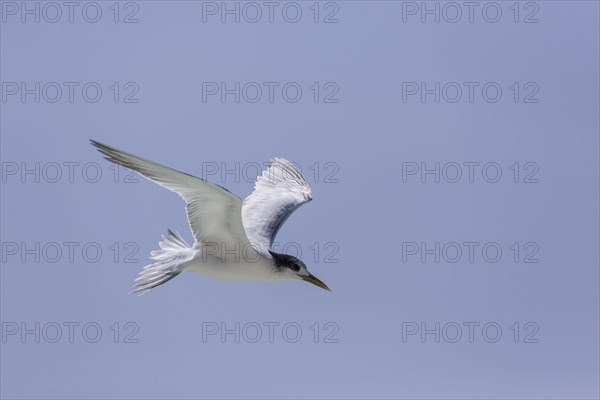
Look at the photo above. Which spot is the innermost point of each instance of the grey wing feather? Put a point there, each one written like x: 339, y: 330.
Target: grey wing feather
x: 214, y: 213
x: 278, y: 192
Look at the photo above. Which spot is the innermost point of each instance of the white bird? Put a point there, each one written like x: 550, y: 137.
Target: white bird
x: 233, y: 239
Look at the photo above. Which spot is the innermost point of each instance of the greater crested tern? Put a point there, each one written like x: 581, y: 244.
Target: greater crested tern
x: 233, y: 238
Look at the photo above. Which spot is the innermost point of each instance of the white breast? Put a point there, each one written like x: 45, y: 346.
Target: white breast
x: 233, y: 269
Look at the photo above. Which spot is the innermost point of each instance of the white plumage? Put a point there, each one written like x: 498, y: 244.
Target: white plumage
x: 278, y: 192
x: 233, y: 239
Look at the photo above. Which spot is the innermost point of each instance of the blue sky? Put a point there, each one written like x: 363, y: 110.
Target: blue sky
x: 454, y: 168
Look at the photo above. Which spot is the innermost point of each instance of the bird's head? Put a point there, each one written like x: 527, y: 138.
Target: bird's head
x: 294, y: 268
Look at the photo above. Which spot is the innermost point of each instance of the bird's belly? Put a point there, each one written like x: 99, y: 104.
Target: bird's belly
x: 232, y: 271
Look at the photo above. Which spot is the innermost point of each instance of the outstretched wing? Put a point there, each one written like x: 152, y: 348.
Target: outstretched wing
x: 279, y: 191
x: 214, y: 213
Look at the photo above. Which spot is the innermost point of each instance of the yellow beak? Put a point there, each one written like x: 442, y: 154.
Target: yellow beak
x: 314, y: 280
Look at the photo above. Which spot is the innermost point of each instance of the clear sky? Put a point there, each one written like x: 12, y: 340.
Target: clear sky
x: 454, y: 167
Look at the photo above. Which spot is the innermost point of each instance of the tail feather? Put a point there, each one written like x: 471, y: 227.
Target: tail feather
x: 168, y: 263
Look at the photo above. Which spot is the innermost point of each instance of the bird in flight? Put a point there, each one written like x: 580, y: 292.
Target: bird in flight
x: 233, y: 238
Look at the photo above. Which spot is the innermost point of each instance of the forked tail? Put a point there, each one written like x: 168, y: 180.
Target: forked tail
x: 168, y: 263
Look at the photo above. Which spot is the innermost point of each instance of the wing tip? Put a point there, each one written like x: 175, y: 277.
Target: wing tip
x: 99, y: 145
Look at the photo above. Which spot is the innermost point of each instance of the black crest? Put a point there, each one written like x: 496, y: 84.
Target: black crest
x: 285, y: 261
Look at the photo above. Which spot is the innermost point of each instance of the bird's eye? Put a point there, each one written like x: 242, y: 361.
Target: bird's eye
x: 295, y: 267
